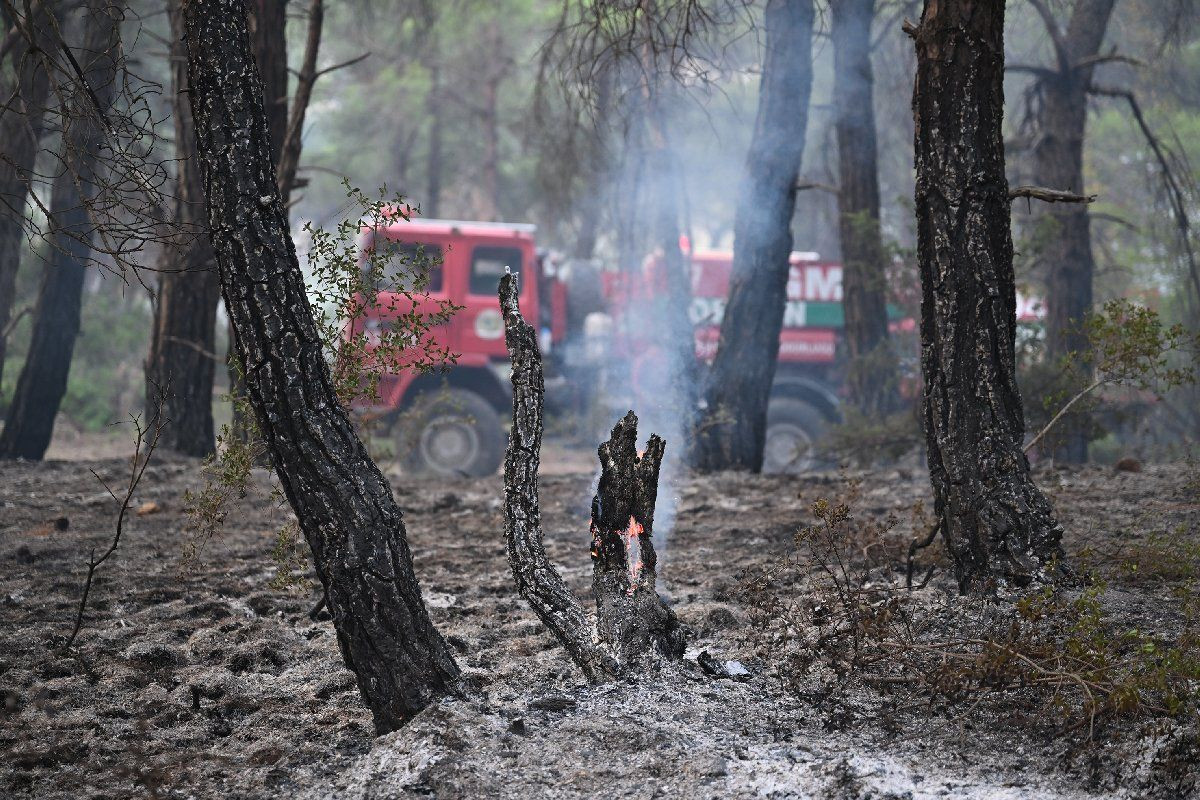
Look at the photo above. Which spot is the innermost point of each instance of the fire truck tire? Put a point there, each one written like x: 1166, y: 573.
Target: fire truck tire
x: 793, y: 430
x: 452, y: 432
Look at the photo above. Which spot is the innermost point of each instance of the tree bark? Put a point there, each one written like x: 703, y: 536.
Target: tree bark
x: 181, y: 362
x: 268, y: 38
x: 267, y: 20
x: 1058, y: 163
x: 733, y: 433
x: 341, y: 500
x: 21, y: 126
x: 29, y: 424
x: 996, y: 523
x: 634, y: 626
x: 871, y: 373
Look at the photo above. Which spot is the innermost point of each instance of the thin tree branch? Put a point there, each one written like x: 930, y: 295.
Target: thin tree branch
x: 1097, y: 383
x: 348, y: 63
x: 1106, y: 58
x: 1174, y: 191
x: 145, y: 443
x: 803, y: 186
x: 289, y: 158
x: 194, y: 346
x: 1056, y: 34
x: 1049, y: 195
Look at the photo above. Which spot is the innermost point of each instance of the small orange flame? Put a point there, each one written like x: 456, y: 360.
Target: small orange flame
x: 633, y: 551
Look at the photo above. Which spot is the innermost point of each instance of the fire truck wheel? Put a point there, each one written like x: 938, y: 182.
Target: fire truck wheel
x: 454, y: 432
x: 793, y: 429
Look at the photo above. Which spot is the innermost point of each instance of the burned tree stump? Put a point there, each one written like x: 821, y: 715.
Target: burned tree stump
x: 633, y: 622
x: 632, y: 619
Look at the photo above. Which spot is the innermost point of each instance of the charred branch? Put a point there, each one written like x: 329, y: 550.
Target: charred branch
x: 1049, y: 195
x: 633, y: 621
x: 536, y: 578
x: 145, y: 442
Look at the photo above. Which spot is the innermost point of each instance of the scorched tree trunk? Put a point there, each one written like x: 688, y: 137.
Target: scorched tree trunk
x: 732, y: 433
x: 29, y: 424
x: 341, y: 500
x: 182, y: 360
x: 1066, y: 255
x: 21, y: 125
x: 871, y: 378
x: 996, y: 523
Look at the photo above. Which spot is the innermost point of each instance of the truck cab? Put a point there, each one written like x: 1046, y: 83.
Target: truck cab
x: 452, y: 421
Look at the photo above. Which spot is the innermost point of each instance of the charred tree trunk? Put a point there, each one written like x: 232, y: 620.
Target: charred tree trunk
x: 268, y: 38
x: 634, y: 625
x: 872, y: 363
x: 632, y: 619
x: 181, y: 362
x: 267, y: 20
x: 289, y: 156
x: 733, y: 432
x: 537, y: 580
x: 341, y: 500
x: 21, y: 124
x: 1058, y: 163
x: 29, y: 424
x: 996, y: 523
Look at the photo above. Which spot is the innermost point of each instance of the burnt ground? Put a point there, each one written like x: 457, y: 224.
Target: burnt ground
x: 198, y: 679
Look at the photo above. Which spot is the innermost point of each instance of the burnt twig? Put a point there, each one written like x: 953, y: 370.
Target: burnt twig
x: 144, y: 444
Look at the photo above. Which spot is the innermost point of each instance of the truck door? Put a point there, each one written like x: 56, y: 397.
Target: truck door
x: 482, y: 328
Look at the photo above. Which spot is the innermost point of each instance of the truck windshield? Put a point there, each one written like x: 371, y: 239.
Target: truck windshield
x: 487, y: 265
x: 402, y: 262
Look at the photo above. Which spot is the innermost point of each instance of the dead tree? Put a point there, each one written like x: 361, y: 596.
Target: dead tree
x: 1059, y: 122
x: 633, y: 625
x: 183, y: 339
x: 872, y: 377
x: 996, y: 523
x: 183, y: 344
x: 29, y: 424
x: 21, y: 125
x: 733, y: 433
x: 342, y: 502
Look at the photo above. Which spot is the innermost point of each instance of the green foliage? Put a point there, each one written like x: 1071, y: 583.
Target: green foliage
x: 1128, y: 345
x: 351, y: 288
x: 1131, y: 345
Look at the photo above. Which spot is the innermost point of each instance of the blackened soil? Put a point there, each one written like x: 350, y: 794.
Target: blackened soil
x: 198, y: 679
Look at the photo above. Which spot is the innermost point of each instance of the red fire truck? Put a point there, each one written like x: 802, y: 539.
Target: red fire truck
x: 454, y: 422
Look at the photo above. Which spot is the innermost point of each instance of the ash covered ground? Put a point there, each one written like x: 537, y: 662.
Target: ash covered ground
x: 200, y: 680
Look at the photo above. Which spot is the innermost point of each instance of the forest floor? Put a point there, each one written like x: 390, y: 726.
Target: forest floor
x: 195, y: 678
